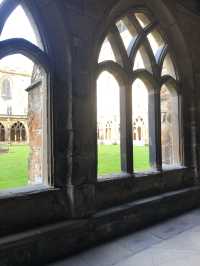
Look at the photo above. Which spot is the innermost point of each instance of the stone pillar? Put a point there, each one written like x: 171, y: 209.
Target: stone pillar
x: 83, y: 173
x: 152, y: 130
x: 35, y: 128
x: 7, y: 134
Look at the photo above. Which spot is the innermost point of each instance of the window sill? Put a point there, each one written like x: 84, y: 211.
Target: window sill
x: 149, y: 173
x: 24, y: 191
x: 113, y: 177
x: 168, y: 168
x: 31, y: 206
x: 117, y: 189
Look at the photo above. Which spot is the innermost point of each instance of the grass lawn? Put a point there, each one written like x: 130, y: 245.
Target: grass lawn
x: 14, y: 167
x: 109, y: 159
x: 14, y: 164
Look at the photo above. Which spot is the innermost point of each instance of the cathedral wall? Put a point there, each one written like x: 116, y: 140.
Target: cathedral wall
x: 78, y: 210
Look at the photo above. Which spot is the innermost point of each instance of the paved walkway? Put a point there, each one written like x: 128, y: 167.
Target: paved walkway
x: 172, y: 243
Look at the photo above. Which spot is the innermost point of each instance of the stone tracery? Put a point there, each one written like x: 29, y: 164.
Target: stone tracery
x: 134, y: 49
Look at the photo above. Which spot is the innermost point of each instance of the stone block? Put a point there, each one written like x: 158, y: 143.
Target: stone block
x: 82, y: 200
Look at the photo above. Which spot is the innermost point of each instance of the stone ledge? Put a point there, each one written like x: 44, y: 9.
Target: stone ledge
x: 52, y: 242
x: 112, y: 192
x: 131, y: 216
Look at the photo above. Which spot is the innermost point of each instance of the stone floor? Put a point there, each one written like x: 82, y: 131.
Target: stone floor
x: 172, y: 243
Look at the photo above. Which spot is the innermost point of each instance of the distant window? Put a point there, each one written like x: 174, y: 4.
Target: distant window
x: 6, y: 89
x: 18, y: 132
x: 9, y: 110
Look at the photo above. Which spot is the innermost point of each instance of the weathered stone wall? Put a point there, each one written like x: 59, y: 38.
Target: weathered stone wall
x: 73, y: 37
x: 35, y: 127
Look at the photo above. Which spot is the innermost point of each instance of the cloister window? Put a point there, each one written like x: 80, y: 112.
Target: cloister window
x: 108, y: 126
x: 141, y: 123
x: 170, y: 126
x: 23, y: 110
x: 137, y: 55
x: 18, y: 133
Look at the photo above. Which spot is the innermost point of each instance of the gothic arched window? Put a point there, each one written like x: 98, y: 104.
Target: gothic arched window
x: 25, y: 62
x: 18, y: 132
x: 109, y: 119
x: 136, y: 53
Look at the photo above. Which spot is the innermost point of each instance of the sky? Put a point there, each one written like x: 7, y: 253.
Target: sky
x: 18, y: 26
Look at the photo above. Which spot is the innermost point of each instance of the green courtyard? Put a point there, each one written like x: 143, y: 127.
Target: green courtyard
x: 14, y: 166
x: 14, y: 163
x: 109, y: 159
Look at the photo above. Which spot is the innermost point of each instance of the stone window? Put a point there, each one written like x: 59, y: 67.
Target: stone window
x: 6, y: 89
x: 108, y: 126
x: 9, y: 110
x: 18, y: 132
x: 23, y: 60
x: 170, y: 125
x: 137, y: 55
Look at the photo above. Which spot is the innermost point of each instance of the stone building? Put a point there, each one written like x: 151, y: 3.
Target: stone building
x: 13, y: 103
x: 73, y: 209
x: 22, y: 110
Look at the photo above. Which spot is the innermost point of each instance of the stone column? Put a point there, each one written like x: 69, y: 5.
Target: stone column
x: 83, y: 173
x: 7, y: 133
x: 35, y: 127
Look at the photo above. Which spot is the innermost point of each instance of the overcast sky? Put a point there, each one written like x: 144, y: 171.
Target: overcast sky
x: 18, y: 26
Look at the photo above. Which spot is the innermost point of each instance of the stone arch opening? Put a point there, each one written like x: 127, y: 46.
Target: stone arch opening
x: 18, y: 132
x: 2, y: 132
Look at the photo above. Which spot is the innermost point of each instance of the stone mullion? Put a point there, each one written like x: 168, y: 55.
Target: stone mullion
x: 149, y: 51
x: 132, y: 19
x: 142, y: 37
x: 126, y: 128
x: 119, y: 49
x: 161, y: 58
x: 142, y: 40
x: 158, y: 129
x: 82, y: 175
x: 24, y: 47
x: 181, y: 132
x: 190, y: 125
x: 136, y: 45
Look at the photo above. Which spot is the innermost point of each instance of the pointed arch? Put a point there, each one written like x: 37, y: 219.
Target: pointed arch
x: 13, y: 26
x: 2, y: 132
x: 142, y: 60
x: 106, y: 52
x: 21, y: 46
x: 168, y: 67
x: 18, y: 132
